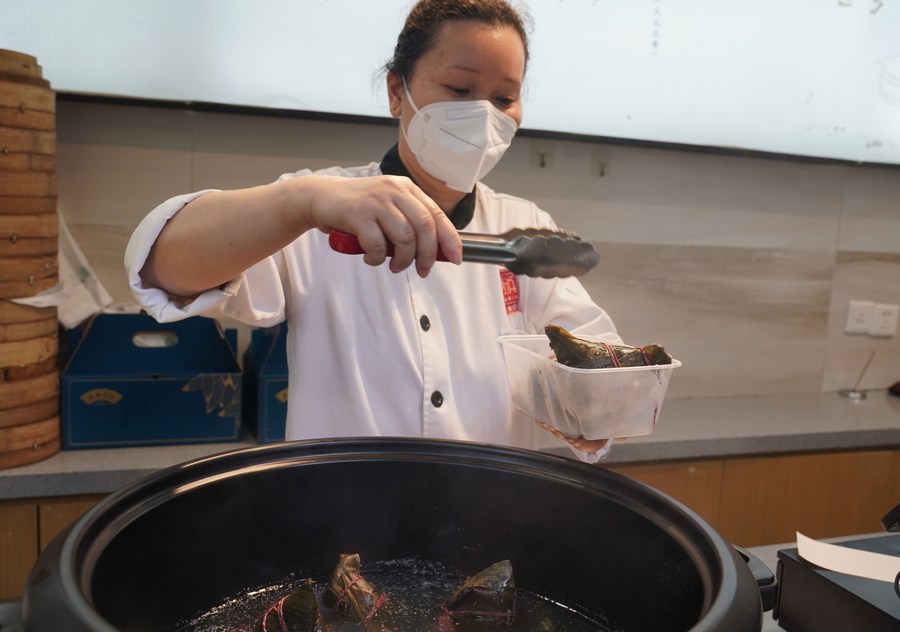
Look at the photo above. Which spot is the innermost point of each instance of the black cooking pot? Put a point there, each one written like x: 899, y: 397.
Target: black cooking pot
x: 179, y: 542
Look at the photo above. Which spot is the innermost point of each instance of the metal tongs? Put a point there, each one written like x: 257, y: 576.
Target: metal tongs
x: 534, y: 252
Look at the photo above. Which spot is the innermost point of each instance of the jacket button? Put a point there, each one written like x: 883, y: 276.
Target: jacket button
x: 426, y: 324
x: 437, y: 399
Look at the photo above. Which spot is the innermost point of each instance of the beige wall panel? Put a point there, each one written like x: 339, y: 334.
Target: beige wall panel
x: 741, y: 321
x: 741, y: 266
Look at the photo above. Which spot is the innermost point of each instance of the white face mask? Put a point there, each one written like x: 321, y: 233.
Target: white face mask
x: 459, y: 142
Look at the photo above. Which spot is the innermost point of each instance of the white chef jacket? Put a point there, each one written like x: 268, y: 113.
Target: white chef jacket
x: 374, y: 353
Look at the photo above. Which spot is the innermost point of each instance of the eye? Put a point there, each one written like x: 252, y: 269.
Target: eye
x: 506, y: 102
x: 457, y: 90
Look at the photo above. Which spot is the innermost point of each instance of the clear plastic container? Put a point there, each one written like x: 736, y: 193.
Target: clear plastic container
x: 588, y: 403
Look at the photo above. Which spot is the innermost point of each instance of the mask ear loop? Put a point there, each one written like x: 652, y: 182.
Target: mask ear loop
x: 409, y: 96
x: 415, y: 109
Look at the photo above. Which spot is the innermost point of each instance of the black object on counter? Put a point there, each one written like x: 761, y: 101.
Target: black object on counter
x: 11, y: 615
x: 812, y: 599
x: 183, y: 540
x: 891, y: 520
x: 894, y: 389
x: 765, y: 579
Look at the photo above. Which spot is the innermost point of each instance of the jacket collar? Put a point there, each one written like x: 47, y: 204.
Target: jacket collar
x: 391, y: 165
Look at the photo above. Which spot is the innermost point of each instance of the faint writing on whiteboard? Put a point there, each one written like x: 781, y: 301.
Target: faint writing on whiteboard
x: 875, y: 4
x: 656, y: 28
x: 889, y: 85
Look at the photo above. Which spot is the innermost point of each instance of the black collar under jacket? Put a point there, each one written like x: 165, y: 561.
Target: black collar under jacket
x: 391, y: 165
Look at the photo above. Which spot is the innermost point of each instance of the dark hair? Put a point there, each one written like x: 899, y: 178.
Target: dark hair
x: 426, y: 18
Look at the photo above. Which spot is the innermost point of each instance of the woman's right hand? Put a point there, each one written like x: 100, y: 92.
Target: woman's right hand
x: 378, y: 210
x: 218, y: 235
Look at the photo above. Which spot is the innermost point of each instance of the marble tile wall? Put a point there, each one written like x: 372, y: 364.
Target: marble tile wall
x: 741, y: 266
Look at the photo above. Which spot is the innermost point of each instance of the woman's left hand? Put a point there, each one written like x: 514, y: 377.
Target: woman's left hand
x: 581, y: 444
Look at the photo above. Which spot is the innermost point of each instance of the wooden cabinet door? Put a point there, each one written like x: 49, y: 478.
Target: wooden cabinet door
x: 696, y: 484
x: 18, y: 545
x: 766, y: 500
x: 26, y: 527
x: 56, y: 514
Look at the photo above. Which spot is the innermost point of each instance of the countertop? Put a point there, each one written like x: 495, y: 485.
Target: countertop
x: 686, y: 429
x: 765, y: 424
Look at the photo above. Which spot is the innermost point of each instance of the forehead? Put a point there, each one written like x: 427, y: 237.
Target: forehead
x: 479, y: 47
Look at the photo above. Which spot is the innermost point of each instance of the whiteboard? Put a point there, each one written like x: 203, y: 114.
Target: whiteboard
x: 811, y: 78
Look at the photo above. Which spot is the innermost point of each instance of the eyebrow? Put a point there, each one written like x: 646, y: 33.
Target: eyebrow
x: 465, y: 68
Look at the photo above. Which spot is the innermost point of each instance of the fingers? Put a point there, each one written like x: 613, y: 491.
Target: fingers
x: 435, y: 234
x: 418, y: 230
x: 579, y: 443
x: 390, y: 213
x: 448, y: 238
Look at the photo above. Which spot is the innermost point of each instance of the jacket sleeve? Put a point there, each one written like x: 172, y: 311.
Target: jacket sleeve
x: 264, y: 306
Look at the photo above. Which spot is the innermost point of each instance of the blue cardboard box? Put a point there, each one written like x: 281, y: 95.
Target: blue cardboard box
x: 132, y: 381
x: 266, y: 383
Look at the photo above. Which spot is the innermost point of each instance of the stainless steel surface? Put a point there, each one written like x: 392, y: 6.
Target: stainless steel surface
x: 535, y: 252
x: 11, y: 615
x: 532, y: 252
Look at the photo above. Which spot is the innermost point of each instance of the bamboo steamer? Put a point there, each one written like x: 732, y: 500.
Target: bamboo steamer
x: 29, y: 119
x: 10, y: 332
x: 17, y: 393
x: 26, y: 267
x: 28, y: 226
x: 19, y: 64
x: 15, y: 313
x: 29, y: 344
x: 15, y: 247
x: 26, y: 371
x: 29, y: 403
x: 30, y: 413
x: 19, y: 161
x: 27, y: 275
x: 18, y: 205
x: 25, y: 437
x: 28, y: 443
x: 16, y: 140
x: 27, y: 352
x: 28, y: 184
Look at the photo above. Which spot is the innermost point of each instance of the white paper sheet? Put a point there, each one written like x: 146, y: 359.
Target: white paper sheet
x: 79, y: 294
x: 850, y: 561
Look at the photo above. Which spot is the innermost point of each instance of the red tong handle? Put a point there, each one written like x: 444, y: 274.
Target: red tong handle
x: 349, y: 245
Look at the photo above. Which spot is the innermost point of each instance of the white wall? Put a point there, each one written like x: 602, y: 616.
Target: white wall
x: 742, y: 267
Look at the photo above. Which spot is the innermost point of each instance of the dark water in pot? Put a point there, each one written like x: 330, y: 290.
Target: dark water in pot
x: 416, y: 589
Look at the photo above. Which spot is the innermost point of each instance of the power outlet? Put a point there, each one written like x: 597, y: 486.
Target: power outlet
x: 884, y: 321
x: 601, y: 161
x: 542, y: 153
x: 859, y: 317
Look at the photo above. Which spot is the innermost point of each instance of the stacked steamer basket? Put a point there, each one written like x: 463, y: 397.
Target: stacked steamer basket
x: 29, y: 371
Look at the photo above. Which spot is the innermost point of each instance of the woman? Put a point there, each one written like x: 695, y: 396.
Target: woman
x: 408, y: 348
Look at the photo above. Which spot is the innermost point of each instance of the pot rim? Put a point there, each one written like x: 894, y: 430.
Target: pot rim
x: 85, y: 539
